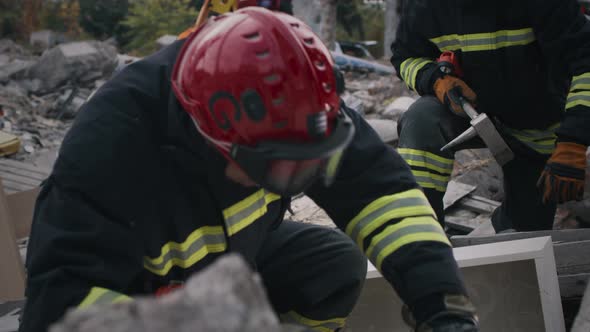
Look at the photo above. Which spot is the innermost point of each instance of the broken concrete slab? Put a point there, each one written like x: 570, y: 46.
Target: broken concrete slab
x: 513, y: 285
x: 14, y: 69
x: 478, y: 167
x: 43, y: 39
x: 386, y: 129
x: 582, y: 322
x: 225, y: 297
x: 71, y: 61
x: 398, y: 107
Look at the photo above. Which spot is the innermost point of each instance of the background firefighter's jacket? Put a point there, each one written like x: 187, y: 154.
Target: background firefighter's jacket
x: 137, y: 200
x: 528, y: 61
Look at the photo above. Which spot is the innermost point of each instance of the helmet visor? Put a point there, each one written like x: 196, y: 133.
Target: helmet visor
x: 287, y: 168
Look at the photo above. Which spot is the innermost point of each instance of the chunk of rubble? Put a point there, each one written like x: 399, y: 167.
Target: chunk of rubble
x: 165, y: 40
x: 44, y: 39
x: 226, y: 297
x: 72, y: 61
x: 386, y: 129
x: 397, y: 107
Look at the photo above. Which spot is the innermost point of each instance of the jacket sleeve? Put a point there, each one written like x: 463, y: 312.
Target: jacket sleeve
x: 413, y: 54
x: 84, y: 246
x: 563, y: 33
x: 376, y: 201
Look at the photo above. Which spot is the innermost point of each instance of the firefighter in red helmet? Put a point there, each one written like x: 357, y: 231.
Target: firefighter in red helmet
x: 196, y: 151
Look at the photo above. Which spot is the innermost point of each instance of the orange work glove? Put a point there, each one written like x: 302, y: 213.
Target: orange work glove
x: 444, y: 85
x: 565, y: 173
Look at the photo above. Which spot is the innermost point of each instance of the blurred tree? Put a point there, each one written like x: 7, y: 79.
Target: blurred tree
x: 328, y: 17
x: 102, y: 18
x: 350, y: 19
x: 61, y: 16
x: 150, y: 19
x: 10, y: 18
x: 31, y: 15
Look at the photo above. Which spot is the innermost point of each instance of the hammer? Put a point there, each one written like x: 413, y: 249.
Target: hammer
x: 480, y: 123
x: 482, y: 126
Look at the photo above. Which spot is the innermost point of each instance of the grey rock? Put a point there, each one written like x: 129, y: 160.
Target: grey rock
x: 396, y: 108
x: 72, y: 61
x: 14, y: 69
x: 226, y: 297
x: 12, y: 49
x: 479, y: 168
x: 386, y: 129
x: 43, y: 39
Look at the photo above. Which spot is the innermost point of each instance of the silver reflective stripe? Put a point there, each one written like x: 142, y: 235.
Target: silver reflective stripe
x: 429, y: 182
x: 395, y: 236
x: 232, y: 222
x: 484, y: 41
x: 426, y: 162
x: 396, y: 204
x: 178, y: 255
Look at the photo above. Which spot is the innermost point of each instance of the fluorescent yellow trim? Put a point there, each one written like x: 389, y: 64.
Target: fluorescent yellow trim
x: 425, y: 154
x: 243, y: 204
x: 314, y: 323
x: 379, y: 203
x: 410, y: 238
x: 194, y: 258
x: 92, y: 296
x: 396, y: 227
x: 429, y: 166
x: 442, y: 178
x: 462, y: 41
x: 194, y: 236
x: 268, y: 198
x: 432, y: 186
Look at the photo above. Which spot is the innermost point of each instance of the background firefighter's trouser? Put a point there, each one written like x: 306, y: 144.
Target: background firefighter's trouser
x: 427, y: 126
x: 313, y: 274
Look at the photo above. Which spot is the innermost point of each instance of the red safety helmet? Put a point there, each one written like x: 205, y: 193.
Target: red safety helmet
x: 260, y: 87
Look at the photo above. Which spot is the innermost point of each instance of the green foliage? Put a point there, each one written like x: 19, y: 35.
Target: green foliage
x: 102, y: 18
x: 150, y: 19
x: 10, y: 14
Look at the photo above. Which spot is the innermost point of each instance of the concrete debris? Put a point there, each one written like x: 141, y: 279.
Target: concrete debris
x: 397, y: 107
x: 582, y: 322
x: 225, y: 297
x: 72, y: 62
x: 44, y: 39
x: 386, y: 129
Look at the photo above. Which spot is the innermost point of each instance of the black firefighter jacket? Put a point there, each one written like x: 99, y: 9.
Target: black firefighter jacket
x: 527, y: 60
x: 137, y: 200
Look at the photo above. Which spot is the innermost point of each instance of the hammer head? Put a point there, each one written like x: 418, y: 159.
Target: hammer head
x: 489, y: 134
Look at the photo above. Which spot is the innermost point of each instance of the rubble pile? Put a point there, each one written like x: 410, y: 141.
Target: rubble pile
x: 39, y: 95
x: 225, y: 297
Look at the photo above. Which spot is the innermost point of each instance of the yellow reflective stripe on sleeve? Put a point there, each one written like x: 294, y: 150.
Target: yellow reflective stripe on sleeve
x: 578, y: 98
x: 409, y: 230
x: 98, y: 295
x: 540, y: 140
x: 581, y: 82
x: 433, y: 181
x: 486, y: 41
x: 427, y: 160
x: 409, y: 70
x: 406, y: 204
x: 200, y: 243
x: 328, y: 325
x: 248, y: 210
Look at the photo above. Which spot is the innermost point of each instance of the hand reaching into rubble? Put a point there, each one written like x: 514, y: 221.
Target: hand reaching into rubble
x: 565, y: 173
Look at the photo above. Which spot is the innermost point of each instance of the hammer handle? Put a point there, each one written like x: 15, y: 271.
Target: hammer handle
x: 468, y: 108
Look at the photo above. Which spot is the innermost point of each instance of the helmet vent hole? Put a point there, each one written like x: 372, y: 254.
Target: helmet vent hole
x: 270, y: 79
x: 308, y: 41
x: 295, y: 25
x: 263, y: 54
x: 278, y: 101
x: 254, y: 36
x: 327, y: 87
x: 320, y: 65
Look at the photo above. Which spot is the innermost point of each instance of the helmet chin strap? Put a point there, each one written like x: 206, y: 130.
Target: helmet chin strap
x: 222, y: 145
